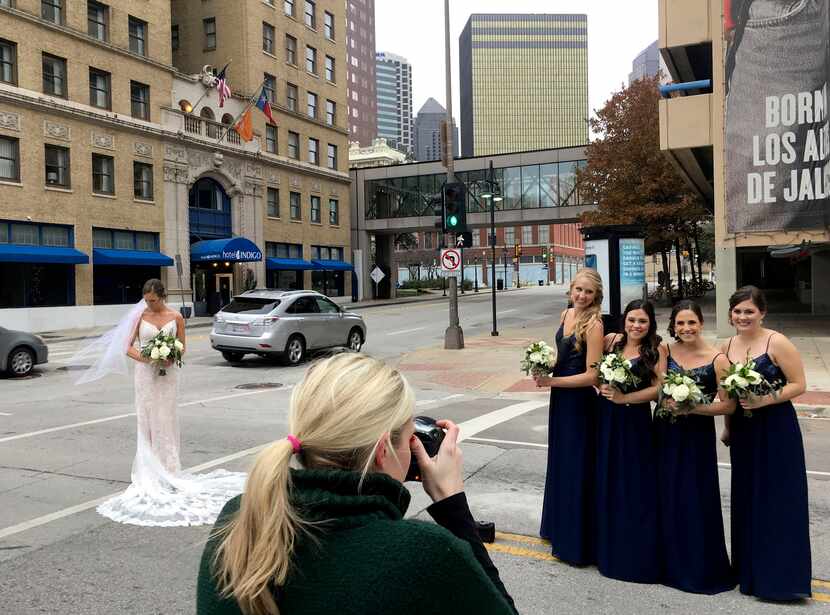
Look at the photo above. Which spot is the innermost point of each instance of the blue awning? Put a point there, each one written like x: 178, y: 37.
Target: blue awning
x: 17, y: 253
x: 329, y: 265
x: 135, y: 258
x: 232, y: 249
x: 288, y: 264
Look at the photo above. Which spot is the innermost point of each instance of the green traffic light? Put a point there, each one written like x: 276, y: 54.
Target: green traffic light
x: 453, y: 220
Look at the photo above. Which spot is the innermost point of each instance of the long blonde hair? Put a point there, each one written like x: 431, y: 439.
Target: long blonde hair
x: 340, y: 411
x: 593, y: 313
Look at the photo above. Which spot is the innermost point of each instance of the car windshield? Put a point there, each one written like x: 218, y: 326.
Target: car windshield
x: 251, y: 305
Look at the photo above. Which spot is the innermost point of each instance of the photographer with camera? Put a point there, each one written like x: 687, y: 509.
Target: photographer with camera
x: 320, y: 526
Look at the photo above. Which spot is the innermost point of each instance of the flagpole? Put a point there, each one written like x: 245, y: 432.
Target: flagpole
x: 250, y: 104
x: 208, y: 89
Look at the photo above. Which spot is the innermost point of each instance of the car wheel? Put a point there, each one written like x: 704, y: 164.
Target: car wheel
x: 355, y: 342
x: 294, y: 350
x: 21, y: 362
x: 232, y: 357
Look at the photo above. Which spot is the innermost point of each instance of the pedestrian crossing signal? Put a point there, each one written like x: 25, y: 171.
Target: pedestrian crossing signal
x: 455, y: 214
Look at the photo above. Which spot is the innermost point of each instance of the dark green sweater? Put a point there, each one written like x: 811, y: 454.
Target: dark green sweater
x: 369, y: 560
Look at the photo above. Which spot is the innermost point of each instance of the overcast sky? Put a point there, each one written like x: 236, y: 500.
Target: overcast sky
x: 617, y: 31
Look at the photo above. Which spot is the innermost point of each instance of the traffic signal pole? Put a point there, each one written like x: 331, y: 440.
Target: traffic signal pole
x: 454, y: 335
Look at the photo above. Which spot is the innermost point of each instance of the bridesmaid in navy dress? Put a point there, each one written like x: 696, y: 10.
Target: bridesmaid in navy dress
x: 691, y: 538
x: 770, y: 519
x: 570, y: 499
x: 626, y: 464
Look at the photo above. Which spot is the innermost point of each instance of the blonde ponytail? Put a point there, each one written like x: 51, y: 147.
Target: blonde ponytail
x: 591, y: 315
x: 339, y: 412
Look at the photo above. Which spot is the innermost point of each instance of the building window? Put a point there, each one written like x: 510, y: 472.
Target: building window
x: 311, y: 104
x: 527, y: 235
x: 103, y: 174
x: 293, y: 145
x: 267, y: 37
x: 273, y: 203
x: 57, y: 166
x: 291, y: 95
x: 139, y: 100
x: 310, y: 14
x: 311, y: 60
x: 288, y: 7
x: 270, y: 85
x: 138, y: 36
x: 476, y: 238
x: 9, y: 159
x: 294, y: 202
x: 97, y: 20
x: 509, y: 236
x: 328, y: 25
x: 332, y: 156
x: 54, y: 236
x: 330, y: 69
x: 174, y: 37
x: 99, y: 89
x: 270, y: 139
x: 209, y: 25
x: 54, y: 75
x: 8, y: 62
x: 331, y: 112
x: 143, y: 181
x: 334, y: 212
x: 52, y: 10
x: 544, y: 234
x: 313, y: 151
x: 315, y: 209
x: 290, y: 49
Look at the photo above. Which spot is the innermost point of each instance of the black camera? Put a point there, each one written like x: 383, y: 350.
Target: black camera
x: 431, y: 436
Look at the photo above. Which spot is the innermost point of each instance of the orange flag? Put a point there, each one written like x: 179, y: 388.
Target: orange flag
x: 244, y: 127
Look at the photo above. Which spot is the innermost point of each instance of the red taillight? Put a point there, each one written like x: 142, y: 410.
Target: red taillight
x: 267, y: 321
x: 265, y: 345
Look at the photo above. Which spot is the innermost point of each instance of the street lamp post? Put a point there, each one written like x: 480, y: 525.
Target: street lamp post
x: 475, y: 271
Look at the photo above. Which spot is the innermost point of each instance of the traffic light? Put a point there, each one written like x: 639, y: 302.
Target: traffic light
x: 466, y: 239
x: 455, y: 212
x: 518, y: 250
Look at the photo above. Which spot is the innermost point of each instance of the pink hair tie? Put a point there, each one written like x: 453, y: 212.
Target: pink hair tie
x: 295, y: 443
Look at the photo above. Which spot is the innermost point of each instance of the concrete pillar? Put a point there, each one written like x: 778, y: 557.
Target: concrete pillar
x: 726, y: 266
x: 176, y: 231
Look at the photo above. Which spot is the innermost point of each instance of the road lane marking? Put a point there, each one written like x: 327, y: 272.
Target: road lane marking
x: 6, y: 413
x: 727, y: 466
x: 821, y: 583
x: 821, y: 597
x: 532, y: 540
x: 491, y: 419
x: 511, y: 550
x: 406, y: 331
x: 66, y: 512
x: 508, y: 442
x: 424, y: 402
x: 508, y: 311
x: 117, y: 417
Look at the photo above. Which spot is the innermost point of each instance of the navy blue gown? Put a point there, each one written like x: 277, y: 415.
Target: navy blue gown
x: 691, y: 538
x: 770, y: 519
x: 627, y: 490
x: 570, y: 499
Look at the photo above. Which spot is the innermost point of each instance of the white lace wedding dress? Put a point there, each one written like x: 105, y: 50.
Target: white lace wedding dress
x: 160, y: 493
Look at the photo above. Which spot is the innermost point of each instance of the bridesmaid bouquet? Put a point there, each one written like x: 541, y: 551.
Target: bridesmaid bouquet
x: 538, y: 359
x: 683, y: 390
x: 161, y: 349
x: 743, y: 382
x: 615, y: 370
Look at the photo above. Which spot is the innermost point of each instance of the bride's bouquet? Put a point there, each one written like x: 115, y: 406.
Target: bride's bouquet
x: 615, y: 370
x: 538, y: 359
x: 683, y: 391
x: 743, y: 382
x: 162, y: 349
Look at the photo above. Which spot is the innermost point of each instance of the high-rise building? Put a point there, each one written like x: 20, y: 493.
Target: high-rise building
x: 646, y: 64
x: 428, y: 132
x: 360, y: 71
x: 394, y: 95
x: 524, y: 82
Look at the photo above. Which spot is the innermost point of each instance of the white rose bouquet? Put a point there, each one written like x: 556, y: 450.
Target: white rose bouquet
x: 539, y: 359
x: 162, y: 349
x: 743, y: 382
x: 615, y: 370
x: 682, y: 390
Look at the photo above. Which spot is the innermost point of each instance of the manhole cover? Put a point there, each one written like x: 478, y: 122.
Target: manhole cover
x: 72, y: 368
x: 258, y: 385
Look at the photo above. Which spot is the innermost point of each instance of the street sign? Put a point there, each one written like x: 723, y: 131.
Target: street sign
x: 450, y: 260
x: 377, y: 275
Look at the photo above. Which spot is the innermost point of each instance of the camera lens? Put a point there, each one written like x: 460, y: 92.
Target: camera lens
x: 431, y: 436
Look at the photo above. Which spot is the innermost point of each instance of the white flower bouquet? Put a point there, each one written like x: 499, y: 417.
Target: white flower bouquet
x: 162, y: 349
x: 615, y: 370
x: 682, y: 391
x: 539, y: 359
x: 743, y: 382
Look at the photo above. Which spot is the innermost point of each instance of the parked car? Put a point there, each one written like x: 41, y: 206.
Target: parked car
x: 20, y: 352
x: 286, y: 323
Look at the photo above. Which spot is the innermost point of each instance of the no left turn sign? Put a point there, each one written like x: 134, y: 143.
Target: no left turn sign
x: 450, y: 260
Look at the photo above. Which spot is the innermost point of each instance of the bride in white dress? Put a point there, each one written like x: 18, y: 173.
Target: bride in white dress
x: 160, y: 493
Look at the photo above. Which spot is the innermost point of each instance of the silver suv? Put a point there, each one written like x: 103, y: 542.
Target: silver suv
x: 283, y: 322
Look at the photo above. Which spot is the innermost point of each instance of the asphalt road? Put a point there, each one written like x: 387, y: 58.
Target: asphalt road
x: 63, y: 448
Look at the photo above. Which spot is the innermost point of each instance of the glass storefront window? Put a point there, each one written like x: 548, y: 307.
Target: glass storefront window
x: 567, y: 183
x: 123, y: 240
x: 512, y: 188
x: 56, y: 236
x: 548, y: 185
x: 530, y: 186
x: 25, y: 234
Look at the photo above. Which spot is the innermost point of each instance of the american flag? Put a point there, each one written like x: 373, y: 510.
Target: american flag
x: 221, y: 86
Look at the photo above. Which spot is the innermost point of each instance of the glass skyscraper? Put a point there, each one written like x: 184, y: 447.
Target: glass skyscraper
x: 524, y: 82
x: 393, y: 77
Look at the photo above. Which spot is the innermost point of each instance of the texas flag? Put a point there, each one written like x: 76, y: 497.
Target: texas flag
x: 264, y: 106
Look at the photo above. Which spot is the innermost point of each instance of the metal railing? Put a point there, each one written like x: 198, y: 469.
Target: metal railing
x: 210, y: 129
x: 703, y: 84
